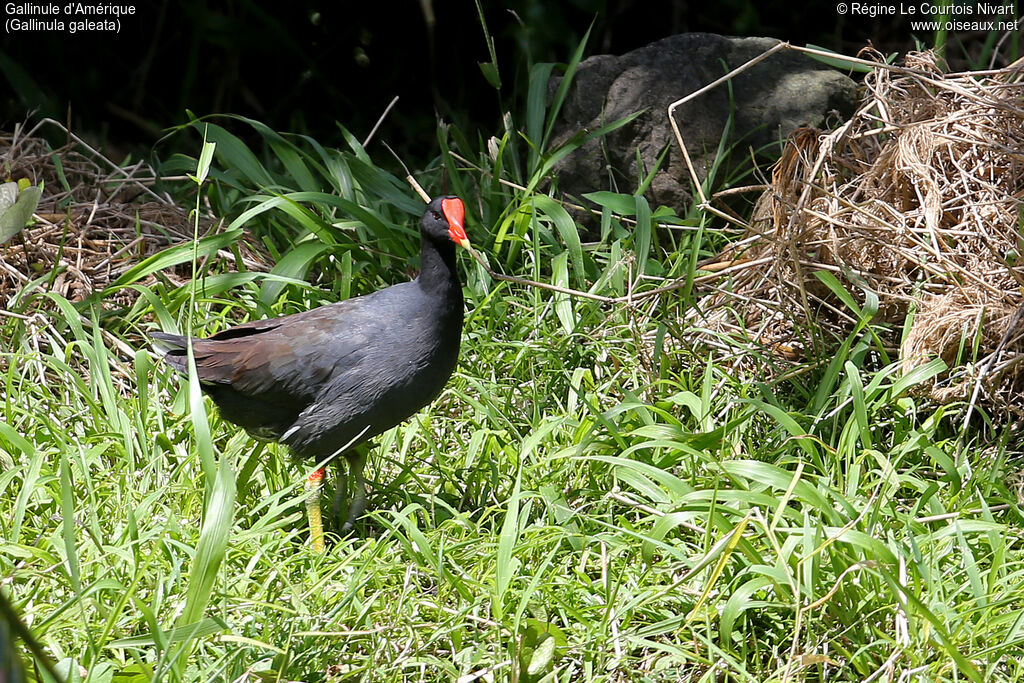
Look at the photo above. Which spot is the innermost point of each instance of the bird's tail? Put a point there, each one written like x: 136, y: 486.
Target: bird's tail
x: 173, y: 347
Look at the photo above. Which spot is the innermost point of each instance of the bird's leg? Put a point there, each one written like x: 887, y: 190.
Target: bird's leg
x: 340, y: 503
x: 314, y: 484
x: 356, y: 464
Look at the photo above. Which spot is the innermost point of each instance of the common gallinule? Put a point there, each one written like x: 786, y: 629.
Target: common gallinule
x: 324, y: 381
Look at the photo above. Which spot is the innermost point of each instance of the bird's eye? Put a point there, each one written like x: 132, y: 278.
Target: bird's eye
x: 437, y: 216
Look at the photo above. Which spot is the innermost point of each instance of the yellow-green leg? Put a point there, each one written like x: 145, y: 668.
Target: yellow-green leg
x: 314, y: 485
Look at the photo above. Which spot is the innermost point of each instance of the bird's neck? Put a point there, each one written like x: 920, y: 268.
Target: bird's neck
x: 438, y: 272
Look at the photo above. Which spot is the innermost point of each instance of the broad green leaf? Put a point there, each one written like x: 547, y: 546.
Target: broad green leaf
x: 506, y: 567
x: 292, y: 266
x: 563, y: 87
x: 16, y: 217
x: 205, y: 159
x: 643, y: 235
x: 563, y: 304
x: 235, y: 155
x: 621, y: 204
x: 175, y: 255
x: 838, y: 60
x: 201, y: 629
x: 213, y: 540
x: 922, y: 373
x: 566, y: 228
x: 490, y: 72
x: 536, y: 105
x: 759, y: 473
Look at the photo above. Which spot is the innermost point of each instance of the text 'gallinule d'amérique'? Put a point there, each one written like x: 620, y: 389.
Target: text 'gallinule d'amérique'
x: 325, y: 380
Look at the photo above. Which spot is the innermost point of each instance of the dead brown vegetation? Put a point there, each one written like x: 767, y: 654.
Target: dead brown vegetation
x: 917, y: 200
x: 96, y: 219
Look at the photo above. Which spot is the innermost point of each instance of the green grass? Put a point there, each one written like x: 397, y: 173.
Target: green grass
x: 585, y: 501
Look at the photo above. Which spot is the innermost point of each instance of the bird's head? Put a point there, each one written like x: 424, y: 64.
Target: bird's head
x: 445, y: 218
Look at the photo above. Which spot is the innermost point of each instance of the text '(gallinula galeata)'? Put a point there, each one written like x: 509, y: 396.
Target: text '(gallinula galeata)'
x: 325, y: 380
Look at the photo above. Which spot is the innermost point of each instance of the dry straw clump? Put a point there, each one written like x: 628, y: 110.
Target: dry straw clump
x: 918, y: 199
x: 95, y: 220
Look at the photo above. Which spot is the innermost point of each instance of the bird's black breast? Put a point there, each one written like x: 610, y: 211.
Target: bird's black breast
x: 401, y: 367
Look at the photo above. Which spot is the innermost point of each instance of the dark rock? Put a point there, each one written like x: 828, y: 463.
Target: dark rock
x: 786, y: 91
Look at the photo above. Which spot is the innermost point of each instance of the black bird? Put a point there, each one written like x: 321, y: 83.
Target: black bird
x: 325, y: 380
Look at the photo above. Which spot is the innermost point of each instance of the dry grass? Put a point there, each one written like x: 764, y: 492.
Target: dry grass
x: 95, y: 220
x: 919, y: 198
